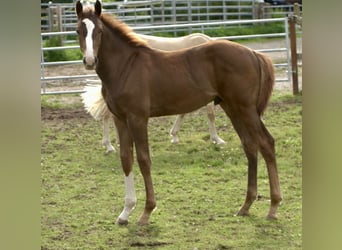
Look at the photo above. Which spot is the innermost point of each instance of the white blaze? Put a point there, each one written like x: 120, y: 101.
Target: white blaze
x: 89, y: 53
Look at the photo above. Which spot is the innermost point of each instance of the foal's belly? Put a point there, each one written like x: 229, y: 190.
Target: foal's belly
x: 185, y: 104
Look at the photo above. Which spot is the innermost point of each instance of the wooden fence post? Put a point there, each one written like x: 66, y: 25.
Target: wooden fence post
x: 296, y: 11
x: 258, y: 10
x: 294, y: 62
x: 59, y: 18
x: 51, y: 13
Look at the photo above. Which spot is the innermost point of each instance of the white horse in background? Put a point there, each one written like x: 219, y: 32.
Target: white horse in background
x: 97, y: 108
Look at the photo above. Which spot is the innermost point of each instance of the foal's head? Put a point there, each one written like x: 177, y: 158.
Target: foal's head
x: 89, y: 30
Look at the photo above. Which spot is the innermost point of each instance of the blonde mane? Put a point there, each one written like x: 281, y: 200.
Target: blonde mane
x: 123, y: 30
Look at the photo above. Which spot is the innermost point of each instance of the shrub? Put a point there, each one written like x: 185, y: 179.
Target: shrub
x: 60, y: 55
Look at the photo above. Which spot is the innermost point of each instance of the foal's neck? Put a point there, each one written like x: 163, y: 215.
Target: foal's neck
x: 114, y: 42
x: 114, y: 48
x: 115, y: 56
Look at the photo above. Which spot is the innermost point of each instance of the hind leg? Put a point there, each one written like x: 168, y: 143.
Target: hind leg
x: 106, y: 138
x: 212, y: 129
x: 251, y: 154
x: 267, y: 150
x: 254, y: 136
x: 251, y: 151
x: 175, y: 128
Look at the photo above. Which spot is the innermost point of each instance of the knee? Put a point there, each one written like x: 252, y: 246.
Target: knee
x: 143, y: 160
x: 126, y: 156
x: 126, y: 163
x: 267, y: 144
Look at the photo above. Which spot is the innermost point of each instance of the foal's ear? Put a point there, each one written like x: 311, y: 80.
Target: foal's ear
x: 98, y: 8
x: 79, y: 8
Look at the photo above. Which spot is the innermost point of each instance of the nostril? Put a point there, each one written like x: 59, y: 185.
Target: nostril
x: 84, y: 60
x: 95, y: 59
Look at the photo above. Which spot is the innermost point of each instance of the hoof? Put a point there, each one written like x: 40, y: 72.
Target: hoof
x: 218, y: 141
x: 109, y: 147
x: 174, y: 138
x: 142, y: 223
x: 143, y: 220
x: 242, y: 213
x: 122, y: 222
x: 110, y: 150
x: 174, y: 141
x: 272, y: 217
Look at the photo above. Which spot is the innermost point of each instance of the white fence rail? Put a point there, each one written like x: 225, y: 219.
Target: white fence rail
x: 62, y: 17
x: 286, y: 66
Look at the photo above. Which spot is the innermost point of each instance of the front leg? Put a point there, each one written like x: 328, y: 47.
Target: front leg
x: 130, y: 200
x: 138, y: 127
x: 126, y: 155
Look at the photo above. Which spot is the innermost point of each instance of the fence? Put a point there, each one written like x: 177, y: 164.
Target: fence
x: 148, y: 29
x: 62, y: 17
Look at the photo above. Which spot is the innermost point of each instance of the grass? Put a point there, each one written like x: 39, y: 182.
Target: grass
x: 58, y: 102
x: 199, y: 186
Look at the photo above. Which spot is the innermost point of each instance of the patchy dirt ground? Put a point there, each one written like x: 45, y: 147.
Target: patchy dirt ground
x: 49, y: 114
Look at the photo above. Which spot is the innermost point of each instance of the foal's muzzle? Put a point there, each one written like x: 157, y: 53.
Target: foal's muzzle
x: 90, y: 62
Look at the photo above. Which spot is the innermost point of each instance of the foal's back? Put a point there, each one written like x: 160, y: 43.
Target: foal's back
x: 208, y: 65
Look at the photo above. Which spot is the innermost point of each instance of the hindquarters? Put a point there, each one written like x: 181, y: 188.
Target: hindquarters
x: 244, y: 78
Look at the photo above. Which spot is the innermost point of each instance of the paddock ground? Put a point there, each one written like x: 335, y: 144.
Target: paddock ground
x: 199, y: 185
